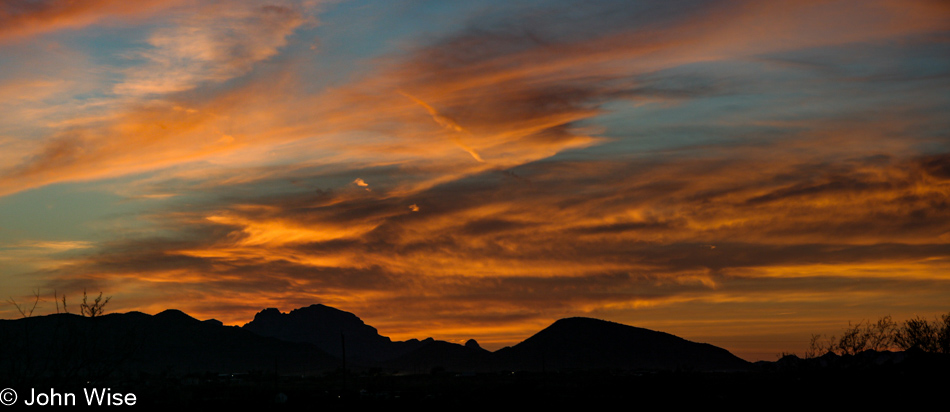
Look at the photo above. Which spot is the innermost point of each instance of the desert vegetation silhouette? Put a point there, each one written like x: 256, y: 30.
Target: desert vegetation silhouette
x: 86, y: 308
x: 885, y: 334
x: 61, y: 348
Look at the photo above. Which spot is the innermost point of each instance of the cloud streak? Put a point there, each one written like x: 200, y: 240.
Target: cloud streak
x: 494, y: 248
x: 650, y: 163
x: 20, y: 19
x: 216, y: 43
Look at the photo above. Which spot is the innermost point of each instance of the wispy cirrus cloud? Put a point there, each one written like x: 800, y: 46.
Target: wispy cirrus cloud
x: 614, y: 160
x: 520, y: 248
x: 20, y: 19
x: 215, y: 43
x: 148, y: 125
x: 519, y: 93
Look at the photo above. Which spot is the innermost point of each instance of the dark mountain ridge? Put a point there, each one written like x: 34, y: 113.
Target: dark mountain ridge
x: 308, y: 340
x: 586, y: 343
x: 67, y: 346
x: 324, y: 327
x: 573, y: 343
x: 328, y: 328
x: 174, y: 359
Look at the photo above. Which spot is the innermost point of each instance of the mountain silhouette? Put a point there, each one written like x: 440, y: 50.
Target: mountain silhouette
x: 66, y: 346
x: 323, y: 326
x: 573, y: 343
x: 308, y: 340
x: 586, y: 343
x: 436, y: 354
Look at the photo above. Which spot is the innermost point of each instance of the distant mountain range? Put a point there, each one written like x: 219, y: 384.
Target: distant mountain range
x: 574, y: 343
x: 64, y: 346
x: 312, y: 339
x: 585, y: 343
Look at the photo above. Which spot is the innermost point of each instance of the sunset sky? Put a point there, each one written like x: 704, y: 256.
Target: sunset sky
x: 738, y: 172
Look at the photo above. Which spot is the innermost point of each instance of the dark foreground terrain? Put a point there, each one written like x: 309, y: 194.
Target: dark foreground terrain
x: 297, y: 361
x: 805, y: 388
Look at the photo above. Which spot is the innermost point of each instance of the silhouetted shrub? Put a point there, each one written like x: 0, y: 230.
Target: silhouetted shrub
x: 96, y: 308
x: 60, y: 348
x: 885, y: 334
x: 920, y: 334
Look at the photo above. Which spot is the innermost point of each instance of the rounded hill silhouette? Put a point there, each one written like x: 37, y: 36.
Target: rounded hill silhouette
x: 586, y: 343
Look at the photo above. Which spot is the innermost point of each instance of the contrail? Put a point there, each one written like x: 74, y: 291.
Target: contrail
x: 446, y: 123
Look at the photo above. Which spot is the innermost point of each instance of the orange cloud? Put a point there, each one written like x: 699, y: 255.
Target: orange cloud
x: 20, y: 19
x: 793, y: 208
x: 496, y: 249
x: 211, y: 44
x: 520, y: 98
